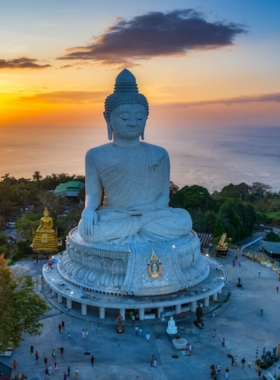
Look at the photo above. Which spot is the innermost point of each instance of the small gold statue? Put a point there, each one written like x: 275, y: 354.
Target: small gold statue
x: 45, y: 238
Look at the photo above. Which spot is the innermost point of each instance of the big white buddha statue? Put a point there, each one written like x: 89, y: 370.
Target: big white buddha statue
x: 127, y: 180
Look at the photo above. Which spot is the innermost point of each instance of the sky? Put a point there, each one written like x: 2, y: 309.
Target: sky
x: 200, y: 63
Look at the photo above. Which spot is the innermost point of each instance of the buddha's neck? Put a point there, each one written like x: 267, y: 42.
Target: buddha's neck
x: 127, y: 143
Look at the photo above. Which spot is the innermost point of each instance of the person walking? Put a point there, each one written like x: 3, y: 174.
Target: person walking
x: 76, y: 373
x: 14, y: 365
x: 223, y: 342
x: 214, y: 333
x: 63, y: 325
x: 226, y: 372
x: 249, y: 364
x: 31, y: 350
x: 235, y: 360
x: 36, y: 355
x: 61, y: 351
x: 50, y: 370
x: 259, y: 273
x: 243, y: 360
x: 152, y: 360
x: 277, y: 288
x: 155, y: 363
x: 233, y: 263
x: 86, y: 333
x: 55, y: 368
x: 190, y: 349
x: 59, y: 328
x: 83, y: 334
x: 69, y: 371
x: 140, y: 332
x: 148, y: 336
x: 53, y: 354
x: 232, y: 360
x: 257, y: 351
x: 92, y: 361
x: 136, y: 330
x: 64, y: 376
x: 46, y: 361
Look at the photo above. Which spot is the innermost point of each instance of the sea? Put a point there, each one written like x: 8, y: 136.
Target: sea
x: 210, y: 157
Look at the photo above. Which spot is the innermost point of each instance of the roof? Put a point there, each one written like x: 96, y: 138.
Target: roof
x: 205, y: 239
x: 69, y: 189
x: 271, y: 246
x: 5, y: 371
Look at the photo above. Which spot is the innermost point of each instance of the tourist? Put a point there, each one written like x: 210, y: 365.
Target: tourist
x: 249, y: 364
x: 187, y: 349
x: 235, y: 360
x: 243, y: 360
x: 92, y: 361
x: 50, y: 370
x: 76, y: 373
x: 214, y: 333
x: 155, y: 363
x: 257, y: 351
x: 277, y: 288
x: 53, y: 354
x: 152, y: 360
x: 259, y: 372
x: 64, y: 376
x: 233, y: 263
x: 259, y: 273
x: 55, y: 368
x: 136, y: 330
x: 190, y: 349
x: 61, y: 351
x: 219, y: 368
x: 148, y: 336
x: 83, y: 334
x: 36, y: 355
x: 69, y: 371
x: 86, y: 333
x: 31, y: 349
x: 14, y: 365
x: 227, y: 373
x: 46, y: 361
x: 223, y: 342
x: 212, y: 371
x: 63, y: 324
x: 59, y: 328
x: 133, y: 318
x: 140, y: 332
x: 232, y: 360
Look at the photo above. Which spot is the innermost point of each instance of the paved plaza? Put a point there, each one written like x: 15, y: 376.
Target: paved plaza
x: 124, y: 356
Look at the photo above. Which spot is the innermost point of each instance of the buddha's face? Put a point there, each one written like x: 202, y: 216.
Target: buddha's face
x: 46, y: 213
x: 128, y: 121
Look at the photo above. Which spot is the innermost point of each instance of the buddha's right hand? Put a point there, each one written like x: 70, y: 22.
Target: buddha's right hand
x: 89, y: 218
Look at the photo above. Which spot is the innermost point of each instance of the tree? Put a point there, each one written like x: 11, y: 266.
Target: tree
x: 37, y: 176
x: 20, y: 307
x: 193, y: 197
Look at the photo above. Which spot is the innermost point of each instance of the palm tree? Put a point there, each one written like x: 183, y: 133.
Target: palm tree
x: 37, y: 176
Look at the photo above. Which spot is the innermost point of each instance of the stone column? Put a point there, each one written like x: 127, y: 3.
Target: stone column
x: 122, y: 313
x: 141, y: 313
x: 102, y: 312
x: 193, y: 306
x: 83, y: 308
x: 220, y: 291
x: 68, y: 303
x: 206, y: 301
x: 178, y: 309
x: 159, y: 311
x: 215, y: 297
x: 59, y: 298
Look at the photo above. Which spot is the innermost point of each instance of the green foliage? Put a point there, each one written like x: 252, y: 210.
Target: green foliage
x: 23, y: 249
x: 272, y: 237
x: 20, y: 307
x: 193, y: 198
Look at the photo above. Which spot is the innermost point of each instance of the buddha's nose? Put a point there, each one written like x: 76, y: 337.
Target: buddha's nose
x: 133, y: 121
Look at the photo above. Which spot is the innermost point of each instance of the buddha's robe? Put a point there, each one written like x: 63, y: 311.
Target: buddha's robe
x: 136, y: 195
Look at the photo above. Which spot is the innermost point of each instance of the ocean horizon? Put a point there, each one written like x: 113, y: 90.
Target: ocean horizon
x: 209, y: 157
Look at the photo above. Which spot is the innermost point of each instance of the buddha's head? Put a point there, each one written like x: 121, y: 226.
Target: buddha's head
x: 46, y: 212
x: 126, y: 103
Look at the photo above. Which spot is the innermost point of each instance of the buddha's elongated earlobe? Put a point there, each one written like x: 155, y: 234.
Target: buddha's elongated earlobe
x: 142, y: 136
x: 109, y: 127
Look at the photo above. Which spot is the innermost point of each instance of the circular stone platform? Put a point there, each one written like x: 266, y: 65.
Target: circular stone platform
x: 163, y: 305
x: 127, y: 268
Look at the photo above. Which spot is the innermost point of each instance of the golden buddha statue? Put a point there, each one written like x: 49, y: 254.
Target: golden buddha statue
x: 45, y: 238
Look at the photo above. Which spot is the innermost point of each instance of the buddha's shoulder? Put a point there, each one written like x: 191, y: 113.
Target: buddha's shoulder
x: 156, y: 149
x: 99, y: 151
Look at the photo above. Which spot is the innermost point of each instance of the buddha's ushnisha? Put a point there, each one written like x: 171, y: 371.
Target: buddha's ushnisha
x: 127, y: 180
